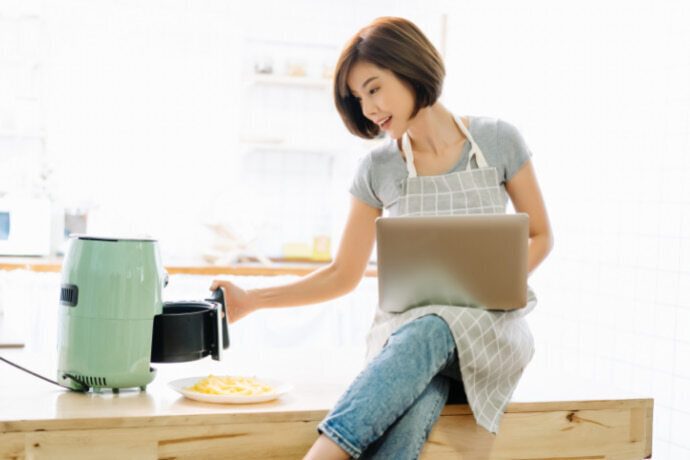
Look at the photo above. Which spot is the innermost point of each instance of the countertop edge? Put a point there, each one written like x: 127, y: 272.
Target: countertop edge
x: 306, y: 415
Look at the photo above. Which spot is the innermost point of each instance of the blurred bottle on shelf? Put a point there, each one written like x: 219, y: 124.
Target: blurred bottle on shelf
x: 322, y: 248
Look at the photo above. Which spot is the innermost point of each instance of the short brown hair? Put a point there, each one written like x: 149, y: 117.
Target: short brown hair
x: 395, y: 44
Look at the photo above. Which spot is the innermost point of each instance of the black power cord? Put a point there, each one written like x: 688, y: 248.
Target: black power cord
x: 84, y: 387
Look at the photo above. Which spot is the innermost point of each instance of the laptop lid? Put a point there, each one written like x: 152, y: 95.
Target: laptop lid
x: 470, y: 260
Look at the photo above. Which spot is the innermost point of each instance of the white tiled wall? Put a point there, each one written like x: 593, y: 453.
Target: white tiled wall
x: 23, y: 167
x: 600, y: 92
x: 289, y: 189
x: 287, y: 154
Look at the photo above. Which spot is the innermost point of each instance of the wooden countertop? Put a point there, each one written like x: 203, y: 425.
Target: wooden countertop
x: 27, y: 402
x: 38, y: 419
x: 249, y: 268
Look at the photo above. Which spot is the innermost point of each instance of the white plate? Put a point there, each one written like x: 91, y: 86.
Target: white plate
x: 279, y: 388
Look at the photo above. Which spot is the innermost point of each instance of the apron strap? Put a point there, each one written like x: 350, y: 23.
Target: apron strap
x: 409, y: 156
x: 475, y: 151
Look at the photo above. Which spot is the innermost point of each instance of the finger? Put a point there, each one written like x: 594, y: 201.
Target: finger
x: 214, y: 285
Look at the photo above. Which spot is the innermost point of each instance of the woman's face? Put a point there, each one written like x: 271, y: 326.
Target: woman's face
x: 384, y: 98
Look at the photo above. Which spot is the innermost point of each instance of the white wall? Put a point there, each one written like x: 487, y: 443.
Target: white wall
x: 144, y: 107
x: 600, y: 90
x: 140, y: 114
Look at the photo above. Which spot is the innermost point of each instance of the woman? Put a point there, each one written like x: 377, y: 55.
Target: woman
x: 389, y: 78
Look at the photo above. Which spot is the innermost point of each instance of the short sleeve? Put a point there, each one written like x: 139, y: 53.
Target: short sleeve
x: 362, y: 184
x: 513, y: 148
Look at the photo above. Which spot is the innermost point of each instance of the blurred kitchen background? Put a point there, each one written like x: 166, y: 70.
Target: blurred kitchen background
x: 210, y: 125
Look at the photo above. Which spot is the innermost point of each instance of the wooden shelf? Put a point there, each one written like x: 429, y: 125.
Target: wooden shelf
x: 300, y: 267
x: 284, y: 147
x: 21, y: 135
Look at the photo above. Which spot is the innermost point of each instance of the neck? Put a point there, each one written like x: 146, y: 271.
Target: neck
x: 433, y: 131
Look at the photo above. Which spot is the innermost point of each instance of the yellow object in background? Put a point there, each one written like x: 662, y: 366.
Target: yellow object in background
x: 297, y: 251
x: 322, y: 248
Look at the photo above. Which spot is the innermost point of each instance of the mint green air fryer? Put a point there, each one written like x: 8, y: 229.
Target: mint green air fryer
x: 111, y: 292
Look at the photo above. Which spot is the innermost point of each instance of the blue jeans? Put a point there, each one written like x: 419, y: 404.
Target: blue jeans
x: 392, y: 405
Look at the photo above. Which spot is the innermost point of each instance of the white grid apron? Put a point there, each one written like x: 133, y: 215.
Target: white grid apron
x: 493, y: 346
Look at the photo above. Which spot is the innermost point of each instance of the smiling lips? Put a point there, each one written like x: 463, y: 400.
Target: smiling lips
x: 384, y: 122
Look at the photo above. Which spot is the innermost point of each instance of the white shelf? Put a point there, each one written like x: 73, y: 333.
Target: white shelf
x: 284, y: 147
x: 20, y: 135
x: 284, y: 80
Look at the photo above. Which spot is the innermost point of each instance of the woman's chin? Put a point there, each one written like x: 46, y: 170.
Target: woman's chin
x: 394, y: 134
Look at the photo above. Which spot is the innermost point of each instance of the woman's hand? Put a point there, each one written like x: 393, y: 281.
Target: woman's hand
x: 238, y: 302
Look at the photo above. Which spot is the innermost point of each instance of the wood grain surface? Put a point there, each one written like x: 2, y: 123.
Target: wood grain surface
x: 551, y: 416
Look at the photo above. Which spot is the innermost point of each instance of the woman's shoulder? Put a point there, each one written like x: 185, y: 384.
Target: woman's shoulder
x: 502, y: 144
x: 384, y: 154
x: 381, y: 157
x: 386, y: 149
x: 491, y: 127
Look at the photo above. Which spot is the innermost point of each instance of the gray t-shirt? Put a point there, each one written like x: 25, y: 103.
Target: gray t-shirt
x: 380, y: 174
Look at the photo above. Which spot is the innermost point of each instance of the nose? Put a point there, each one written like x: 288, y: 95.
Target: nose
x: 368, y: 109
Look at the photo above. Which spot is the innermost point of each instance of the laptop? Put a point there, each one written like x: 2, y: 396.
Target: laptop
x: 471, y: 260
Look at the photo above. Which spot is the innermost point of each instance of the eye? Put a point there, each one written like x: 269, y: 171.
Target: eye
x: 373, y: 90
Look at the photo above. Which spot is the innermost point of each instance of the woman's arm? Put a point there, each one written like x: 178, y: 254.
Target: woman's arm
x: 525, y: 194
x: 336, y: 279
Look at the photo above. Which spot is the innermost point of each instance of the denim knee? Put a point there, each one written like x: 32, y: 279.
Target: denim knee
x: 425, y: 327
x: 390, y: 383
x: 430, y: 331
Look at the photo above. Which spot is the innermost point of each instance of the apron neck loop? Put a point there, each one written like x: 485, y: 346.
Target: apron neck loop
x: 409, y: 156
x: 475, y: 151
